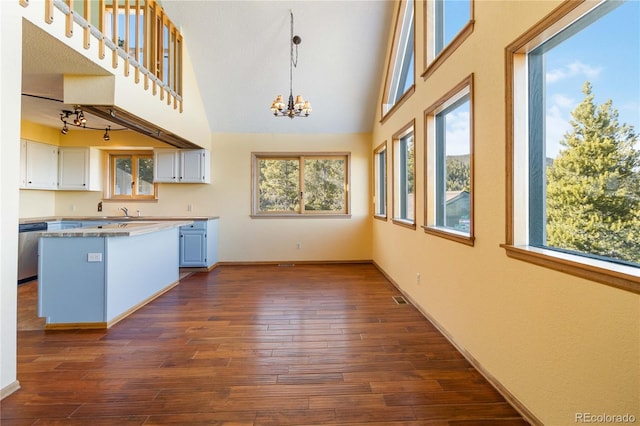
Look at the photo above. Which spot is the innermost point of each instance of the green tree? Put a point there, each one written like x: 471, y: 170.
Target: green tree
x: 324, y: 184
x: 279, y: 185
x: 458, y: 176
x: 593, y: 186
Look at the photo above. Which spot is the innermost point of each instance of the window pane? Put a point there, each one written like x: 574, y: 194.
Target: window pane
x: 123, y: 178
x: 381, y: 183
x: 145, y: 176
x: 584, y: 149
x: 402, y: 68
x: 453, y: 177
x: 451, y: 17
x: 278, y: 185
x: 405, y: 179
x: 324, y: 185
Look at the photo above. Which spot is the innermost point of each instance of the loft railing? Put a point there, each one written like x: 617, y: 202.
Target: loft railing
x: 137, y: 32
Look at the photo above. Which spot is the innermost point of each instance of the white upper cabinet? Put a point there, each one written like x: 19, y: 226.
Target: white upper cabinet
x: 39, y: 165
x: 79, y: 168
x: 181, y: 166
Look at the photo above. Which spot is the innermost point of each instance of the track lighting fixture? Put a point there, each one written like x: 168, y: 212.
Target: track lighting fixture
x: 76, y: 118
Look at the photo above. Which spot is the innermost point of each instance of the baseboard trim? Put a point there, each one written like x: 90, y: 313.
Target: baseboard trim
x: 293, y: 262
x: 507, y: 395
x: 9, y: 389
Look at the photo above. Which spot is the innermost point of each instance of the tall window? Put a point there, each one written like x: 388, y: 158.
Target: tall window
x: 448, y: 23
x: 131, y: 176
x: 380, y: 181
x: 576, y: 150
x: 300, y: 184
x: 404, y: 177
x: 401, y: 69
x: 449, y: 130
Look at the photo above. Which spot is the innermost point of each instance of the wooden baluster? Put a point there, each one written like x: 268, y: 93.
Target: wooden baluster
x: 48, y: 11
x: 24, y: 3
x: 69, y: 19
x: 127, y: 6
x: 101, y: 27
x: 136, y: 39
x: 114, y: 38
x: 87, y: 17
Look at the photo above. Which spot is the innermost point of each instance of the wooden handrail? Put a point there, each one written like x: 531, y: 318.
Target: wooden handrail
x: 155, y: 38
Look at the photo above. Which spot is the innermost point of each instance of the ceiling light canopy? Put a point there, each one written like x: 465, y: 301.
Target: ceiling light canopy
x: 299, y: 107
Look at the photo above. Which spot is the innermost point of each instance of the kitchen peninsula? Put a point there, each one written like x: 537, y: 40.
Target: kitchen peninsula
x: 92, y: 277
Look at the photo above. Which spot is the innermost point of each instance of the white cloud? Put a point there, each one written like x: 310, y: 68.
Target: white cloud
x: 458, y: 133
x: 573, y: 69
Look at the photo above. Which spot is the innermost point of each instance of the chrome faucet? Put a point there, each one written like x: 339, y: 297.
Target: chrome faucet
x: 125, y: 210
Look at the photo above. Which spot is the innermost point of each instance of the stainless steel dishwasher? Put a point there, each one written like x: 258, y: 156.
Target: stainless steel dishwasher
x: 28, y: 236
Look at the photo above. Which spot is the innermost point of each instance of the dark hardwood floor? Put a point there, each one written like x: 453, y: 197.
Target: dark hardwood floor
x: 256, y: 345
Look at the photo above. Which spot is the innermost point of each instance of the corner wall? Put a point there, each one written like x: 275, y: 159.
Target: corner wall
x: 559, y: 344
x: 10, y: 78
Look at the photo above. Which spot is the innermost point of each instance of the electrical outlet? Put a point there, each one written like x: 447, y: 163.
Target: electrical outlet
x: 188, y: 207
x: 298, y: 246
x: 94, y: 257
x: 418, y: 278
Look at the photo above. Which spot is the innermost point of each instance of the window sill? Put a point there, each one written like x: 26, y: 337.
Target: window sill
x: 380, y: 217
x: 449, y: 234
x: 620, y: 276
x: 404, y: 222
x: 300, y: 216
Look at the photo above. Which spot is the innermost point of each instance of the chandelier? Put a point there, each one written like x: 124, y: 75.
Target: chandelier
x: 299, y: 107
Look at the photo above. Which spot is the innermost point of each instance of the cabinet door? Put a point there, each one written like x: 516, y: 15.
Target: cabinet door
x: 41, y: 166
x: 73, y: 169
x: 193, y: 248
x: 165, y: 165
x: 194, y: 166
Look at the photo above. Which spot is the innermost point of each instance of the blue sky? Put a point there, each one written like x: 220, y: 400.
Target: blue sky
x: 607, y: 54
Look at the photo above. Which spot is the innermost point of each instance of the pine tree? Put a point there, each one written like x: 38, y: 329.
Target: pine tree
x: 593, y: 186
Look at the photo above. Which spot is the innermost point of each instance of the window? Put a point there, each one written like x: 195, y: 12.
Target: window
x: 400, y: 72
x: 575, y: 191
x: 404, y: 177
x: 131, y: 176
x: 380, y: 181
x: 300, y: 184
x: 449, y: 129
x: 448, y: 23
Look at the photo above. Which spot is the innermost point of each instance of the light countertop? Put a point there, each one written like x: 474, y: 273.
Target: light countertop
x: 126, y: 229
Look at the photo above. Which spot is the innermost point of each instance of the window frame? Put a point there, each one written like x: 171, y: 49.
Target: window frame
x: 462, y: 90
x: 433, y: 60
x: 517, y: 171
x: 111, y: 176
x: 380, y: 181
x: 388, y: 106
x: 398, y: 204
x: 301, y: 212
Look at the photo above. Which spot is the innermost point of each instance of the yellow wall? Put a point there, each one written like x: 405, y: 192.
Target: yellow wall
x: 242, y: 239
x: 561, y: 345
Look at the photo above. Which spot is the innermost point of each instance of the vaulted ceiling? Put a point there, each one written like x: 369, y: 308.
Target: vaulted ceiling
x: 240, y: 54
